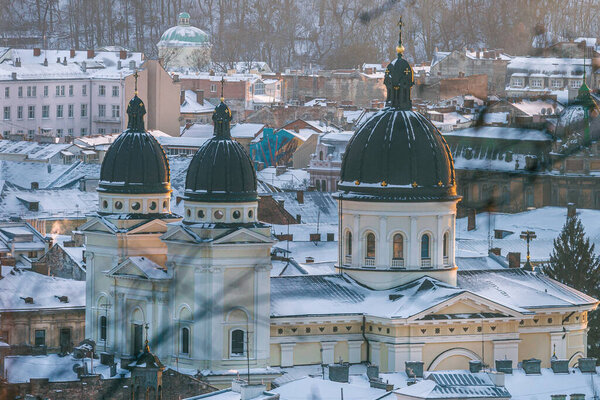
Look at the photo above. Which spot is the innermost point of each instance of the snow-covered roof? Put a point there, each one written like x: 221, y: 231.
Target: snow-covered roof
x: 455, y: 385
x: 495, y: 118
x: 191, y: 105
x: 246, y: 130
x: 499, y: 132
x: 566, y: 67
x: 19, y: 284
x: 317, y: 388
x: 291, y: 179
x: 32, y: 150
x: 538, y: 107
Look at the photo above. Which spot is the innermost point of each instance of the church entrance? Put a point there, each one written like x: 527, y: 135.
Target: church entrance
x: 137, y: 339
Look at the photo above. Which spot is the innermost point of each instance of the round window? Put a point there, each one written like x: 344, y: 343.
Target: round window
x: 118, y: 205
x: 218, y: 214
x: 188, y: 212
x: 153, y: 206
x: 236, y: 214
x: 135, y: 206
x: 105, y: 204
x: 250, y: 213
x: 200, y: 213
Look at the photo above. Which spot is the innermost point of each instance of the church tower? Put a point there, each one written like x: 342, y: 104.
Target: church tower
x: 220, y: 256
x: 126, y: 277
x: 397, y: 193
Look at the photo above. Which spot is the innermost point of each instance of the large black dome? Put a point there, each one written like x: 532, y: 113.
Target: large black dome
x: 135, y: 162
x: 398, y: 155
x: 221, y: 170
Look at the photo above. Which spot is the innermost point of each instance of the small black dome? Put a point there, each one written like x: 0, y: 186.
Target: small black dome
x: 221, y: 170
x: 135, y: 163
x: 398, y: 155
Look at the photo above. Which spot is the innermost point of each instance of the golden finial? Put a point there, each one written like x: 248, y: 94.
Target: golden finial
x: 400, y: 47
x: 222, y: 88
x: 384, y: 183
x: 135, y: 75
x: 414, y: 184
x: 357, y: 182
x: 440, y: 183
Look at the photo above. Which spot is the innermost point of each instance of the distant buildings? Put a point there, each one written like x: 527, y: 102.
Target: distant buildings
x: 57, y: 94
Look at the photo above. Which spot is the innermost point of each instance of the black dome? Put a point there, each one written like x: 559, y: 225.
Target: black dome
x: 221, y: 170
x: 135, y: 162
x: 398, y: 155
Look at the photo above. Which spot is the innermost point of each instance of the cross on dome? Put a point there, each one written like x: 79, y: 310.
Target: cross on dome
x: 399, y: 78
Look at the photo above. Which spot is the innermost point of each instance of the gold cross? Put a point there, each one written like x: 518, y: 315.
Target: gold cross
x: 406, y: 71
x: 135, y: 75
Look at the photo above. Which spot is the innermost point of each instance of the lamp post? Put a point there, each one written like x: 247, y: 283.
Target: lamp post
x: 528, y: 236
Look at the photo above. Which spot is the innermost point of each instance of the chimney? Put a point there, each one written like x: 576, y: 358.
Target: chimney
x: 83, y: 66
x: 14, y: 76
x: 37, y: 51
x: 496, y: 251
x: 17, y: 62
x: 122, y: 54
x: 514, y: 260
x: 35, y: 185
x: 300, y: 196
x: 58, y: 60
x: 64, y: 60
x: 471, y: 216
x: 181, y: 97
x: 45, y: 62
x: 175, y: 77
x: 132, y: 64
x: 119, y: 65
x: 72, y: 53
x: 90, y: 53
x: 200, y: 97
x: 571, y: 210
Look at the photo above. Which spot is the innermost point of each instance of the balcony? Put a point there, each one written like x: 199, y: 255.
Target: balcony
x: 369, y: 261
x: 398, y: 263
x: 348, y: 260
x: 446, y: 260
x: 425, y: 262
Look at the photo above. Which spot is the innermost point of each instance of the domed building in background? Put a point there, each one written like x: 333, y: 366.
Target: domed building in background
x: 184, y: 46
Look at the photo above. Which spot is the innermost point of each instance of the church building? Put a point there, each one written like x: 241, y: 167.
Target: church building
x: 201, y: 282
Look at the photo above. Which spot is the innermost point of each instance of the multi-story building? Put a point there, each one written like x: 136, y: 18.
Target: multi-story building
x: 70, y: 93
x: 326, y: 161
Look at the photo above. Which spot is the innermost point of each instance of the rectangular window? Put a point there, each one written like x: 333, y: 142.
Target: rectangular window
x: 213, y: 88
x: 84, y: 110
x: 40, y: 337
x: 6, y: 113
x: 59, y: 111
x: 70, y: 90
x: 556, y: 83
x: 59, y: 133
x: 45, y: 112
x: 20, y: 91
x: 116, y: 111
x: 30, y: 133
x: 45, y: 91
x: 20, y: 112
x: 102, y: 131
x: 70, y: 131
x: 58, y: 90
x: 536, y: 83
x: 576, y: 83
x: 70, y: 111
x: 517, y: 82
x: 6, y: 92
x: 31, y: 112
x: 103, y: 324
x: 84, y: 90
x: 115, y: 91
x: 102, y: 110
x: 83, y: 131
x: 101, y: 90
x: 29, y: 91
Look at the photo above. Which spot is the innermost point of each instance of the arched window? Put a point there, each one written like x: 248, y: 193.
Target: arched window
x: 185, y: 340
x: 237, y: 342
x: 397, y: 250
x: 425, y: 250
x: 103, y: 324
x: 446, y: 245
x: 349, y: 243
x: 324, y: 185
x: 321, y: 155
x: 370, y: 247
x: 318, y: 184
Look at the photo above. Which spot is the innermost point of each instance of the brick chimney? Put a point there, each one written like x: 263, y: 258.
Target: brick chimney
x: 514, y: 260
x: 122, y: 54
x: 37, y: 52
x: 181, y: 97
x: 471, y: 217
x: 571, y: 210
x: 72, y: 53
x: 200, y: 97
x: 300, y: 196
x: 90, y: 53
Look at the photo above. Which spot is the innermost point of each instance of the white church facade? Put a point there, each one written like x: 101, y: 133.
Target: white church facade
x: 201, y: 282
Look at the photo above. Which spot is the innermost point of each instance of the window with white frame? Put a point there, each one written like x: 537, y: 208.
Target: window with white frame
x: 31, y: 112
x: 517, y: 82
x: 20, y: 91
x: 6, y: 92
x: 536, y: 83
x: 70, y: 110
x: 370, y: 249
x: 84, y: 110
x: 398, y: 250
x: 213, y: 88
x: 556, y: 83
x: 46, y: 91
x: 116, y: 111
x: 59, y: 111
x: 60, y: 90
x: 115, y: 91
x: 185, y: 340
x: 446, y: 247
x: 19, y: 112
x: 45, y: 112
x: 575, y: 83
x: 101, y: 110
x: 70, y: 90
x: 101, y: 90
x: 425, y: 250
x: 84, y: 90
x: 6, y: 113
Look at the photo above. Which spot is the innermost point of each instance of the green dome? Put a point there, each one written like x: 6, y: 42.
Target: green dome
x: 183, y: 34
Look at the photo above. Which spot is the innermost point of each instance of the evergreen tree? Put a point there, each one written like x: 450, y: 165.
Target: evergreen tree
x: 574, y: 263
